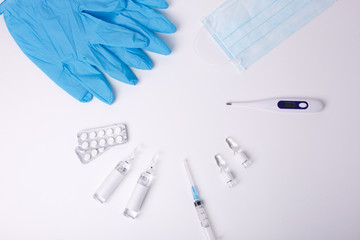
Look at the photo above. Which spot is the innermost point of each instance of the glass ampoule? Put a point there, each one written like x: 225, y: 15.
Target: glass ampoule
x: 225, y: 171
x: 239, y: 152
x: 142, y: 186
x: 113, y: 180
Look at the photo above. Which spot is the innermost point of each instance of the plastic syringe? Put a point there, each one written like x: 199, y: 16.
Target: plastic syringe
x: 199, y: 206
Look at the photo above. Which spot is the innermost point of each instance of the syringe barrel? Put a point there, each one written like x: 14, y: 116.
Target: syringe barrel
x: 200, y: 210
x: 204, y: 220
x: 209, y: 233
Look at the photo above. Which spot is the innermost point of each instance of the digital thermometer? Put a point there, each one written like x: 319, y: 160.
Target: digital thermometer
x: 299, y: 105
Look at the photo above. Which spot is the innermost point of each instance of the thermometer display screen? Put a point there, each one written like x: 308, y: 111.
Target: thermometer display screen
x: 289, y: 105
x: 292, y: 104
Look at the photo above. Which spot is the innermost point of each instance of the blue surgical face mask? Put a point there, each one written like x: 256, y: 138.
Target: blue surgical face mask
x: 248, y: 29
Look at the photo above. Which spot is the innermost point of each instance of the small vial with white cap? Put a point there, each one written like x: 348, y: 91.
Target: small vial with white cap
x: 225, y: 171
x: 141, y: 188
x: 239, y: 152
x: 113, y: 180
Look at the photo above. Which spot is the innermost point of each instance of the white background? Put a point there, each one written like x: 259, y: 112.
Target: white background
x: 304, y: 184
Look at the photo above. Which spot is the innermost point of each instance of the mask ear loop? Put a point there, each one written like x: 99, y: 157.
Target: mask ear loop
x: 198, y: 53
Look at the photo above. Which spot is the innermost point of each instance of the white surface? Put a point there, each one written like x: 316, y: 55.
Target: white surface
x: 304, y: 184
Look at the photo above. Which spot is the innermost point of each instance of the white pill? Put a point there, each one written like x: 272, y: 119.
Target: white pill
x: 84, y: 136
x: 101, y: 133
x: 87, y: 157
x: 93, y: 143
x: 94, y: 152
x: 102, y: 142
x: 85, y: 145
x: 111, y: 141
x: 119, y: 139
x: 109, y: 132
x: 92, y: 134
x: 118, y: 130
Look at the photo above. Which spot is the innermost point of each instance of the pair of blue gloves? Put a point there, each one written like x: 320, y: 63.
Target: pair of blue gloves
x: 75, y: 41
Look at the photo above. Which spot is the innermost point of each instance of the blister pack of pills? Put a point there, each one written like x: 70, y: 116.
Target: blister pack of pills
x: 87, y: 156
x: 95, y: 141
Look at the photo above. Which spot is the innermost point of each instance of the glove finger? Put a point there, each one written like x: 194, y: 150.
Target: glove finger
x: 162, y: 4
x: 107, y: 33
x: 133, y: 57
x: 149, y: 18
x: 155, y: 44
x: 71, y: 85
x: 91, y: 79
x: 112, y: 65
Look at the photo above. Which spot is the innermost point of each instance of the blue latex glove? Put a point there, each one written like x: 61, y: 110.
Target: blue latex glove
x: 72, y: 41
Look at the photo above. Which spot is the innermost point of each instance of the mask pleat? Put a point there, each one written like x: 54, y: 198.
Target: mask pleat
x: 248, y: 29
